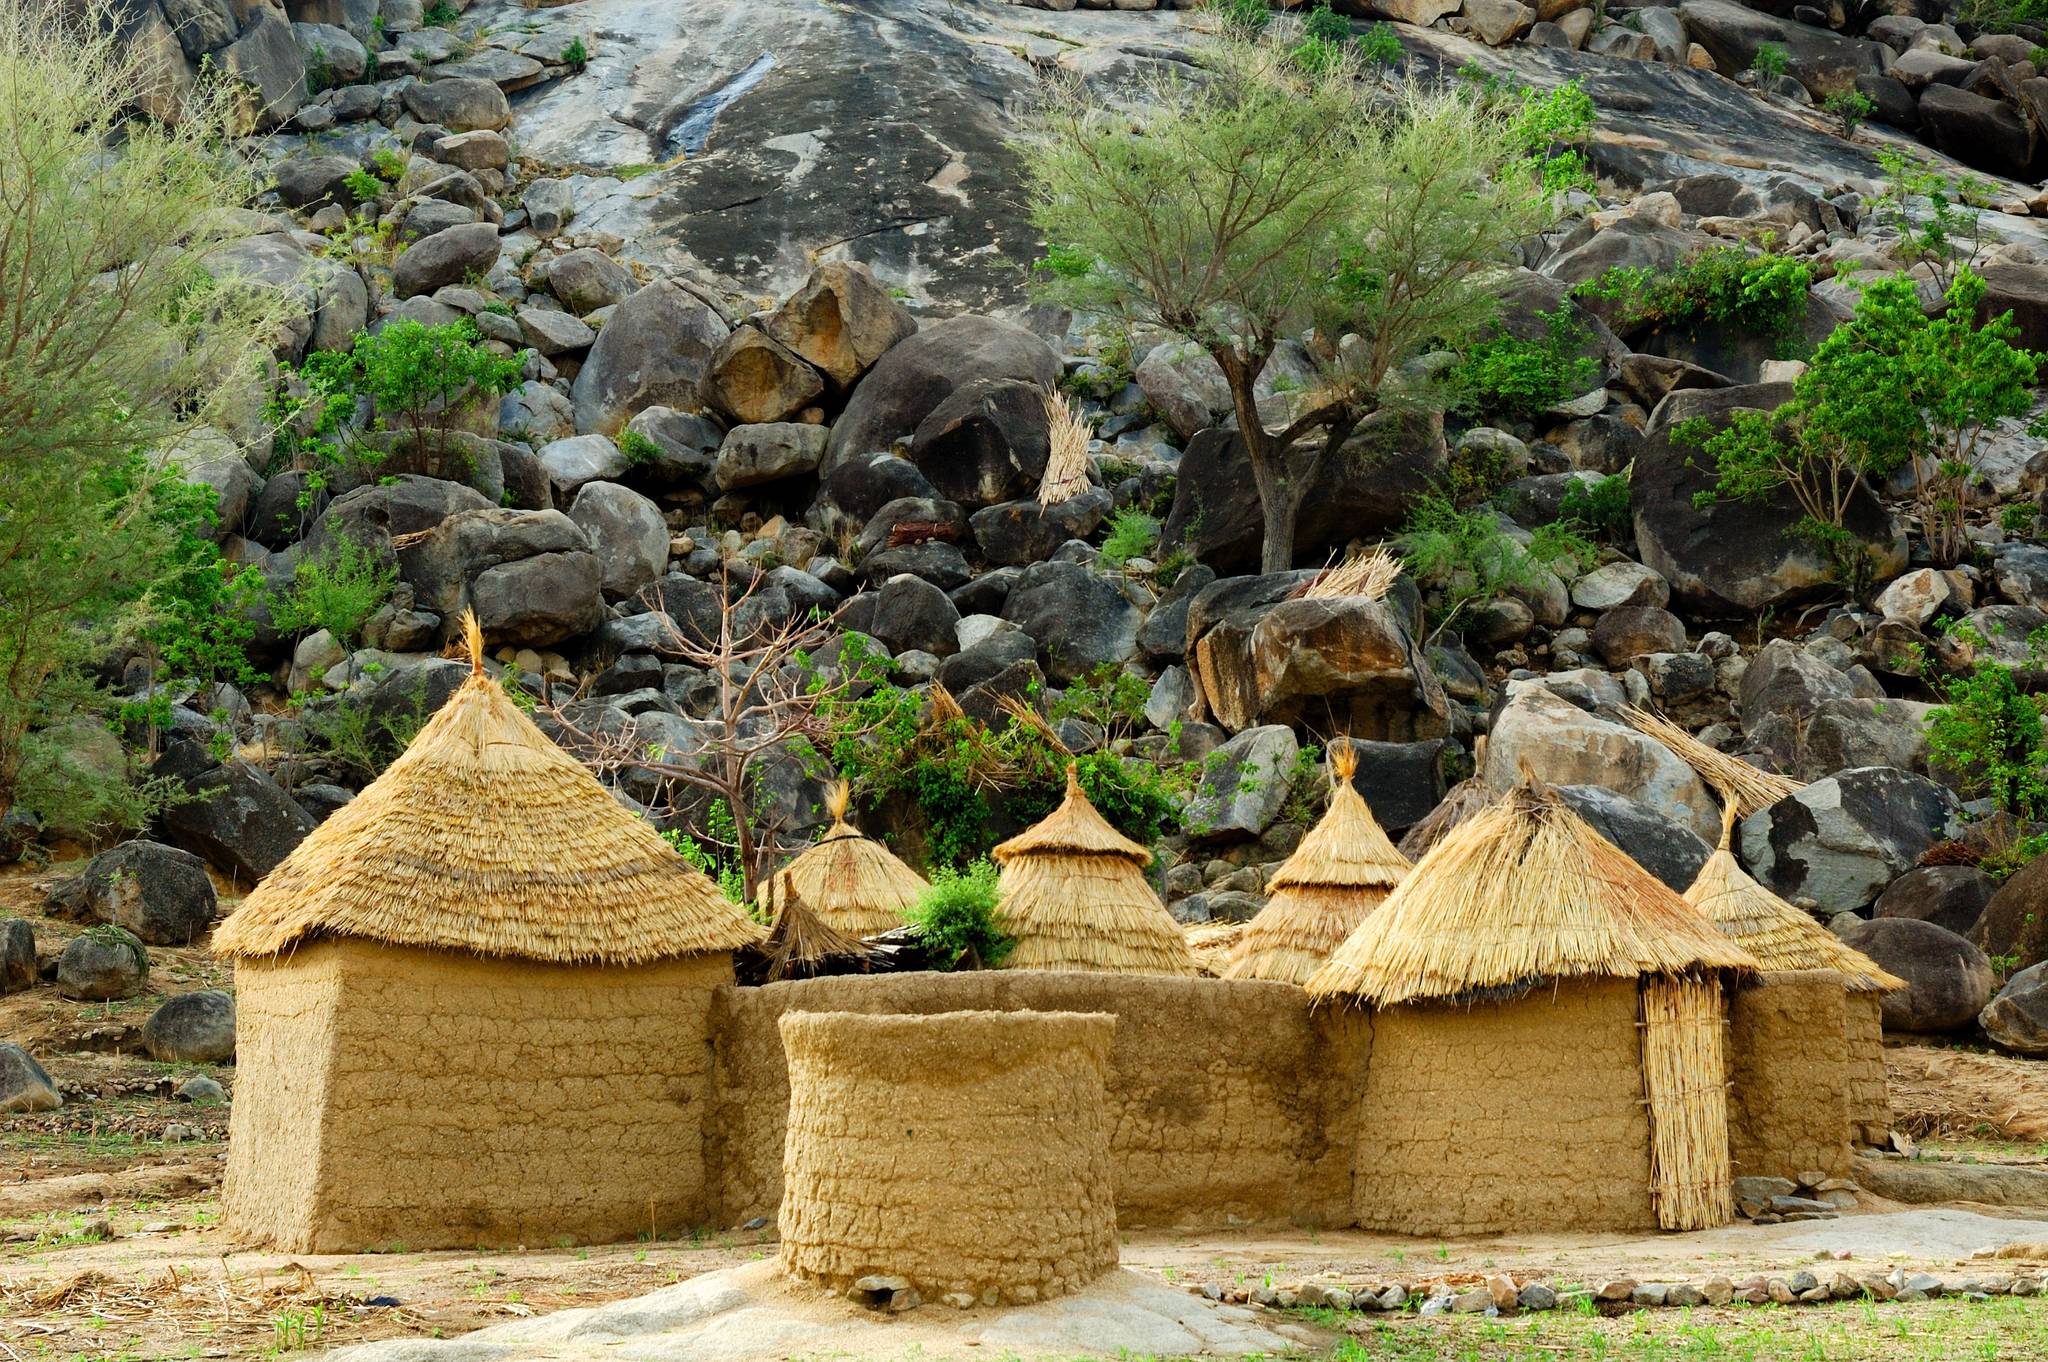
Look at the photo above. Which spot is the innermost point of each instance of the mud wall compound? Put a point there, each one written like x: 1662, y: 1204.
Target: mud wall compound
x: 1789, y: 1077
x: 436, y: 1100
x: 966, y: 1152
x: 1870, y: 1101
x: 1228, y: 1102
x: 1520, y: 1115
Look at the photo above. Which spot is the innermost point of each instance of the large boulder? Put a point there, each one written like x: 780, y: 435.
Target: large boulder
x: 1022, y: 531
x: 1786, y: 680
x: 1080, y: 619
x: 24, y: 1084
x: 1950, y: 896
x: 755, y: 379
x: 17, y: 955
x: 266, y: 61
x: 840, y: 321
x: 104, y: 964
x: 458, y: 103
x: 192, y: 1028
x: 626, y: 532
x: 1541, y: 732
x: 238, y: 818
x: 1399, y: 781
x: 529, y: 575
x: 2017, y: 1019
x: 160, y: 893
x: 1836, y: 844
x: 922, y: 370
x: 447, y: 257
x: 654, y: 351
x: 1674, y: 854
x: 1948, y: 981
x: 987, y: 442
x: 1367, y: 486
x: 1986, y: 133
x: 586, y: 279
x: 911, y: 613
x: 768, y: 452
x: 1818, y: 59
x: 1244, y: 784
x: 2014, y: 922
x: 1735, y: 557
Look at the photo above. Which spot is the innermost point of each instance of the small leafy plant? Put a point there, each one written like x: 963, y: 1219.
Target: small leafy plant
x: 1851, y: 106
x: 1764, y: 295
x: 1987, y: 737
x: 957, y: 919
x: 576, y: 55
x: 418, y: 376
x: 1132, y: 534
x: 1771, y: 60
x: 1503, y: 376
x: 1380, y: 45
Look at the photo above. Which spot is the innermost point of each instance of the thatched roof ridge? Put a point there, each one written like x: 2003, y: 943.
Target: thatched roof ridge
x: 851, y: 882
x: 1783, y: 938
x: 1074, y: 829
x: 1347, y: 847
x: 486, y: 837
x: 1522, y: 893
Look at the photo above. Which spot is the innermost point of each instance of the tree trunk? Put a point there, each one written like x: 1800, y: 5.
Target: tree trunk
x: 1279, y: 498
x: 1279, y: 508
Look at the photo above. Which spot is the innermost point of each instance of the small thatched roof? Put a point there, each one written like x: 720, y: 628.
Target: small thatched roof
x: 1074, y: 897
x: 486, y: 837
x: 1341, y: 871
x: 1523, y: 892
x: 801, y: 943
x: 1780, y: 936
x: 853, y: 883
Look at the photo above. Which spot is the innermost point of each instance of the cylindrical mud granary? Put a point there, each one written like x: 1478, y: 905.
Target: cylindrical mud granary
x: 967, y: 1152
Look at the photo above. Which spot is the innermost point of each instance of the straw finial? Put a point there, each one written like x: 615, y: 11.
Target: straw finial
x: 1729, y: 811
x: 473, y: 640
x: 1343, y: 760
x: 836, y: 800
x: 1073, y: 779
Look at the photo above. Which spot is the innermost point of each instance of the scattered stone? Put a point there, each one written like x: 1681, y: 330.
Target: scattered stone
x: 17, y: 955
x: 201, y: 1090
x: 192, y: 1028
x: 161, y: 894
x: 105, y: 963
x: 24, y: 1084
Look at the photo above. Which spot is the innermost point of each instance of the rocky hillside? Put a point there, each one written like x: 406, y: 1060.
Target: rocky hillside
x: 757, y: 280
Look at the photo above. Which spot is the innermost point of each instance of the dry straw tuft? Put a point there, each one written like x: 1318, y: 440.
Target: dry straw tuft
x: 486, y: 837
x: 1684, y: 1081
x: 1074, y: 897
x: 1370, y: 574
x: 1734, y: 779
x: 851, y: 882
x: 1523, y: 892
x: 1342, y: 870
x: 1780, y: 936
x: 1066, y: 464
x: 801, y: 942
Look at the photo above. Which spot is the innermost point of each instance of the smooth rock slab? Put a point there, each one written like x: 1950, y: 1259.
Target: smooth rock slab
x: 751, y: 1314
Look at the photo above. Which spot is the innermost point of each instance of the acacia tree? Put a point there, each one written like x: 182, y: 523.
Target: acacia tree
x: 1286, y: 189
x: 116, y: 341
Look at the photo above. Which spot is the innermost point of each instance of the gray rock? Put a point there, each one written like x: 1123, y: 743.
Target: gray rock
x: 1631, y: 631
x: 458, y: 103
x: 1620, y: 584
x: 553, y: 333
x: 529, y: 575
x: 194, y: 1028
x: 586, y: 279
x: 1244, y: 784
x: 104, y: 964
x: 161, y: 894
x: 1566, y: 745
x: 1080, y: 620
x: 240, y: 820
x: 1949, y: 896
x: 654, y: 351
x: 1838, y: 842
x: 1218, y: 905
x: 2017, y: 1018
x: 17, y: 956
x: 1948, y: 980
x: 310, y: 181
x: 685, y: 447
x: 266, y: 59
x: 919, y: 372
x: 626, y: 532
x: 549, y: 205
x: 24, y: 1084
x: 332, y: 55
x: 1785, y: 679
x: 911, y: 613
x: 2015, y: 922
x: 202, y: 1090
x: 1670, y: 851
x: 1023, y: 532
x: 986, y: 442
x: 580, y: 459
x: 447, y: 257
x: 840, y: 321
x: 768, y: 452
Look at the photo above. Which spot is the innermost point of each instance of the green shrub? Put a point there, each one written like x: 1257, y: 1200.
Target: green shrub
x: 1467, y: 558
x: 1764, y: 295
x: 637, y: 449
x: 362, y: 185
x: 337, y: 591
x: 1932, y: 215
x: 1771, y: 60
x: 1986, y: 737
x: 389, y: 164
x: 957, y: 920
x: 718, y: 861
x: 1510, y: 378
x: 417, y: 376
x: 576, y: 55
x: 1604, y: 508
x: 1380, y: 45
x: 1132, y: 534
x: 1851, y: 106
x: 441, y: 14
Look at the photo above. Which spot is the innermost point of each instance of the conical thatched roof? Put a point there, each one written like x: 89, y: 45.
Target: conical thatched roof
x: 1780, y: 936
x: 1074, y: 897
x: 1523, y: 892
x: 851, y: 882
x: 486, y: 837
x: 1342, y: 870
x: 801, y: 943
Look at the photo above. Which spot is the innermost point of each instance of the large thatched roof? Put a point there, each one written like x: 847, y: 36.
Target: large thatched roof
x: 486, y: 837
x: 851, y: 882
x: 1521, y: 893
x: 1780, y: 936
x: 1342, y: 870
x: 1074, y: 897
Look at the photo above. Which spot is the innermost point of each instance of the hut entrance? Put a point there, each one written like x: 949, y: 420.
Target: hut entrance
x: 1684, y: 1079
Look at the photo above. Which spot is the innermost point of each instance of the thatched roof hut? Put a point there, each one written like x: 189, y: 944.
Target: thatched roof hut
x: 1342, y: 870
x: 485, y: 837
x: 801, y: 944
x: 431, y: 986
x: 852, y: 882
x: 1529, y: 978
x: 1074, y: 896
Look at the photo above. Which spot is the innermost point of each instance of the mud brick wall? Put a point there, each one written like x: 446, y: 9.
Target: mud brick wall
x: 1789, y: 1077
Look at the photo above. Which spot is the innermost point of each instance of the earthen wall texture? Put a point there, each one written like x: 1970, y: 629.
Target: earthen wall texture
x: 1870, y: 1100
x: 284, y: 1028
x: 1522, y: 1115
x: 1789, y: 1077
x: 1229, y: 1102
x: 965, y: 1152
x: 462, y: 1101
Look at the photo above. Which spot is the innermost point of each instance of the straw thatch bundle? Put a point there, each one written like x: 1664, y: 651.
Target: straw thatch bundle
x: 1735, y: 780
x: 851, y: 882
x: 1074, y: 897
x: 1781, y: 937
x: 486, y: 837
x: 1523, y: 891
x: 1370, y: 574
x: 1066, y: 463
x: 1342, y: 870
x: 801, y: 944
x: 1684, y: 1060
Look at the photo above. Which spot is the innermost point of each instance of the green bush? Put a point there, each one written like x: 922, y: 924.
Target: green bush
x: 1932, y: 215
x: 1604, y: 508
x: 1132, y: 534
x: 1851, y: 106
x: 1503, y: 376
x: 1380, y: 45
x: 337, y: 591
x: 362, y: 185
x: 957, y: 919
x: 1986, y: 737
x: 637, y: 449
x: 1467, y: 558
x: 418, y: 377
x: 576, y: 55
x: 1764, y: 295
x: 1771, y: 60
